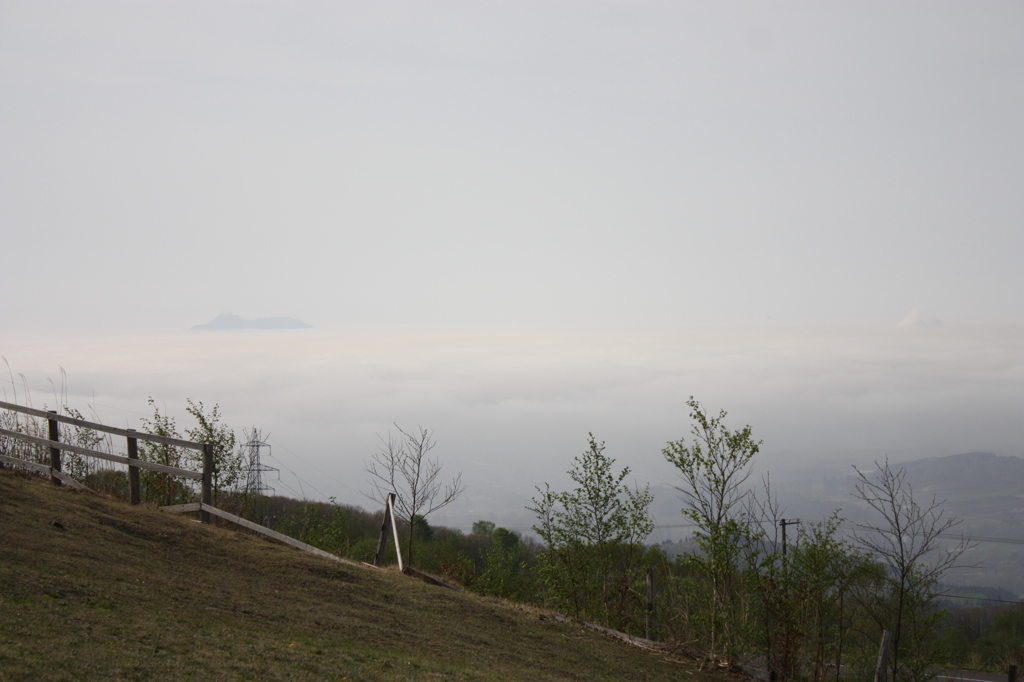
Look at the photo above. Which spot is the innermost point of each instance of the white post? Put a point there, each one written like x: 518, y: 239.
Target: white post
x: 394, y: 529
x: 883, y: 656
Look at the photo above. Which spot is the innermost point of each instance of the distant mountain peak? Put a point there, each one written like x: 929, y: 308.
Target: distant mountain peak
x: 232, y: 322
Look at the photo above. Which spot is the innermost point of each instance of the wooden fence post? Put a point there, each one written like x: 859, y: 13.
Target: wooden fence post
x: 206, y: 495
x: 883, y: 656
x: 649, y: 625
x: 1011, y: 674
x: 134, y: 487
x: 54, y: 452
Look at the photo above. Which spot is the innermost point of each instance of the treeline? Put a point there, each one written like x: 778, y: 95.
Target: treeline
x: 812, y: 606
x: 983, y: 636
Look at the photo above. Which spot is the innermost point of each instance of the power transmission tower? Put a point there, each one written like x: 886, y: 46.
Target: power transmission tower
x: 256, y: 490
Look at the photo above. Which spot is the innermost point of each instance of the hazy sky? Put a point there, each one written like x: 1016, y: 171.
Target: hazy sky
x: 511, y: 163
x: 519, y: 222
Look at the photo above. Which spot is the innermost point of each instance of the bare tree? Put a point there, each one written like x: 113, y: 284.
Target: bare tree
x: 909, y: 542
x: 401, y: 465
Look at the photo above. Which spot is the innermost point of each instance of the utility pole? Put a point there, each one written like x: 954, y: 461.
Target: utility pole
x: 784, y: 523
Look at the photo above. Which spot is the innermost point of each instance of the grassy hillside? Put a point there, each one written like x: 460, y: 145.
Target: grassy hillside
x: 92, y: 588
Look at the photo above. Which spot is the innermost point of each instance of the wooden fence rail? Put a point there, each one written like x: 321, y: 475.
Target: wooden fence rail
x: 263, y: 530
x: 44, y: 469
x: 127, y: 433
x: 67, y: 447
x: 133, y: 462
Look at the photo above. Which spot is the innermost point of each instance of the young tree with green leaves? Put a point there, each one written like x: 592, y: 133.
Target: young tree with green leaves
x: 715, y: 466
x: 806, y: 595
x: 483, y: 528
x: 75, y: 465
x: 326, y: 526
x: 593, y: 535
x: 506, y: 568
x: 164, y: 489
x: 228, y: 466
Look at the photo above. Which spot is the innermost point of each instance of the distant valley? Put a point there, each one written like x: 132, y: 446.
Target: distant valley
x: 985, y: 491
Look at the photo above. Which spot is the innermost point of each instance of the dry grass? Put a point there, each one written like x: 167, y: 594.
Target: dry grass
x: 129, y: 593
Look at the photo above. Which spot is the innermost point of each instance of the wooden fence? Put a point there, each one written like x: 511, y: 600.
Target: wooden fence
x: 132, y: 460
x: 204, y: 506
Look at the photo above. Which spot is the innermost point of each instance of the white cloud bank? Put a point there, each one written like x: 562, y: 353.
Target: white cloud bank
x: 511, y: 409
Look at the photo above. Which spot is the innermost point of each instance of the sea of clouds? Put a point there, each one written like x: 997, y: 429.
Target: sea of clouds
x: 510, y: 408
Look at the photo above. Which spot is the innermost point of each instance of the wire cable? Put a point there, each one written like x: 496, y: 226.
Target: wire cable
x: 279, y: 444
x: 958, y: 596
x: 299, y: 478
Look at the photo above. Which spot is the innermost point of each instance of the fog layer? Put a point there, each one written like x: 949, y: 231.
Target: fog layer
x: 511, y: 408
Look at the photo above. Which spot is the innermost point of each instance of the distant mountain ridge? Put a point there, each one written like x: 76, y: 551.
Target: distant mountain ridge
x: 984, y: 490
x: 233, y: 322
x: 987, y: 492
x: 968, y: 475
